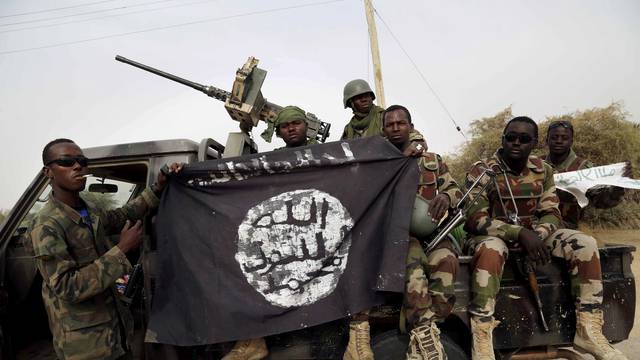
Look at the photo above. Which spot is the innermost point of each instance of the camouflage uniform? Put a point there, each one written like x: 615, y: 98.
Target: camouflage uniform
x: 537, y: 203
x: 600, y: 197
x: 429, y: 291
x: 364, y: 125
x: 79, y: 266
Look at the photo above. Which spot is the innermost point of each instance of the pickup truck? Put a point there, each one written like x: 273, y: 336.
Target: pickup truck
x: 24, y: 332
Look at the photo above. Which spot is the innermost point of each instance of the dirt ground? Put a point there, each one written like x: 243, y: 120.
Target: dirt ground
x: 630, y: 347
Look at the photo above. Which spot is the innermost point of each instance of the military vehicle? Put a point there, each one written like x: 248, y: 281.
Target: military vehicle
x: 122, y: 171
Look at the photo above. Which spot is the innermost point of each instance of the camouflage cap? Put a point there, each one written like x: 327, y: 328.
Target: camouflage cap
x: 289, y: 114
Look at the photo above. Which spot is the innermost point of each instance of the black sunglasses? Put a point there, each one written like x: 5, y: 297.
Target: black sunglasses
x: 511, y: 137
x: 70, y: 161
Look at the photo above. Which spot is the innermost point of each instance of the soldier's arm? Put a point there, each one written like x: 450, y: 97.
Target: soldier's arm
x: 64, y: 275
x: 479, y: 222
x: 135, y: 209
x: 447, y: 184
x: 547, y: 211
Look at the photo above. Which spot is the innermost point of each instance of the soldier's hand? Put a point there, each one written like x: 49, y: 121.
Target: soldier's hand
x: 416, y: 148
x: 438, y: 207
x: 130, y: 236
x: 164, y: 174
x: 537, y: 251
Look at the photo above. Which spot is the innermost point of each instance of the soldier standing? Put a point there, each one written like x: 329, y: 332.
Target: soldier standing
x: 367, y: 116
x: 524, y: 210
x: 429, y: 292
x: 78, y: 262
x: 562, y: 158
x: 291, y: 126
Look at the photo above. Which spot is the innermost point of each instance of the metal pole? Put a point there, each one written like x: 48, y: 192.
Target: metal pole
x: 375, y: 52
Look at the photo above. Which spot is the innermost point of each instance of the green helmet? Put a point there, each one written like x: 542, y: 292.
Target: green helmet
x: 354, y: 88
x: 421, y: 223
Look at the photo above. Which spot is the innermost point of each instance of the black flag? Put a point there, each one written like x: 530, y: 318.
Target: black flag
x: 274, y: 242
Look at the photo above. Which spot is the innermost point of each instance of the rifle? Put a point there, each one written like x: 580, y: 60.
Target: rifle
x: 533, y: 285
x: 134, y: 286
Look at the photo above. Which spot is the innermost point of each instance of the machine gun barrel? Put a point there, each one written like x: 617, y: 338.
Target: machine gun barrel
x: 211, y: 91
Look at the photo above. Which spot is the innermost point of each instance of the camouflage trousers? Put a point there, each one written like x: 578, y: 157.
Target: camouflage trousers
x: 578, y: 249
x: 429, y: 280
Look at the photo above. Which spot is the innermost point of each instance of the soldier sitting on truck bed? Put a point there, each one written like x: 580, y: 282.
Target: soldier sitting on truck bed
x: 291, y: 126
x: 524, y: 211
x: 429, y: 293
x: 78, y: 262
x: 562, y: 158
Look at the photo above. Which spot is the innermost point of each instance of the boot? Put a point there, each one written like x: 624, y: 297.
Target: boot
x: 253, y: 349
x: 425, y: 343
x: 482, y: 332
x: 589, y: 337
x: 359, y: 347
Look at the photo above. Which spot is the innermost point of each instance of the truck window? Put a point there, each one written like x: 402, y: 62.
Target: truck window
x: 109, y: 201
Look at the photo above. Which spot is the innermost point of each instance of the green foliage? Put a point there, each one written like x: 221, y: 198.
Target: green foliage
x: 602, y: 135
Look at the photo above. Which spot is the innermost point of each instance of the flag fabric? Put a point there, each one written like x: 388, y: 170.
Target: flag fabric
x: 580, y: 181
x: 274, y: 242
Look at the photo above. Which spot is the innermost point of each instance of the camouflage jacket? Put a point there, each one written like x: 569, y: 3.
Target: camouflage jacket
x: 374, y: 126
x: 534, y: 193
x: 79, y: 265
x: 435, y: 178
x: 600, y: 196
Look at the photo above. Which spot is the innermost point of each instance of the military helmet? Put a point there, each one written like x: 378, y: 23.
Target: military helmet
x: 421, y: 223
x: 354, y: 88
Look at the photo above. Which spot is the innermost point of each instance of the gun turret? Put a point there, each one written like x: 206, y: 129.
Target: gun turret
x: 245, y: 102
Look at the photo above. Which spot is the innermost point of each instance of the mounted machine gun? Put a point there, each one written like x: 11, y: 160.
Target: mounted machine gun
x: 244, y: 104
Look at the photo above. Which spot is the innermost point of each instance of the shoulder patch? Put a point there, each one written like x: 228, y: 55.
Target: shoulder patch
x: 430, y: 160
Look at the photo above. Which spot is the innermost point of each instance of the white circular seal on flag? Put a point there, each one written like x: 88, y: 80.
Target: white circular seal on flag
x: 293, y: 247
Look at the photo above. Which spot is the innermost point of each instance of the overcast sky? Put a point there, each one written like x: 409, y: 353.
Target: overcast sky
x: 59, y: 78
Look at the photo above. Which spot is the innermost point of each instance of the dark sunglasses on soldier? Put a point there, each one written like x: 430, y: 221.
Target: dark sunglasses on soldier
x: 561, y: 123
x: 70, y: 161
x: 511, y: 137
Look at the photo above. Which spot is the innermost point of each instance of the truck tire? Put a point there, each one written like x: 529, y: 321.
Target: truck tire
x: 392, y: 345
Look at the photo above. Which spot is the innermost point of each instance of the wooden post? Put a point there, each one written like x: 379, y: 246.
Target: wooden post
x: 375, y: 52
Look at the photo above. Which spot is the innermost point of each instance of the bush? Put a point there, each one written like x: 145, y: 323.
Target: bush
x: 602, y: 135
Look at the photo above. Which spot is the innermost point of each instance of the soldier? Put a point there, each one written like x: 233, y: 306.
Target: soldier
x: 524, y: 211
x: 429, y: 292
x: 562, y: 158
x: 78, y: 262
x: 291, y: 126
x: 367, y: 116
